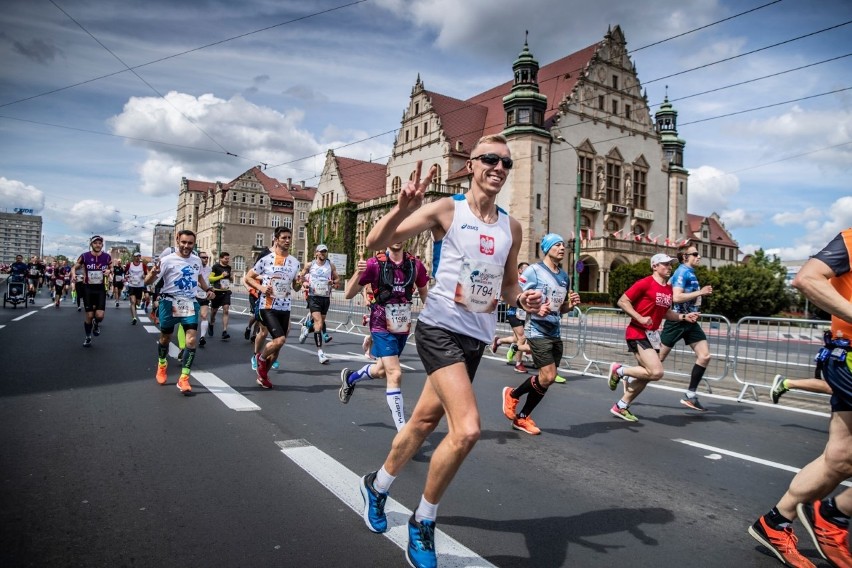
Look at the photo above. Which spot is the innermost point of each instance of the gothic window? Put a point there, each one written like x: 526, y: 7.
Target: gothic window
x: 396, y: 185
x: 586, y: 176
x: 613, y: 182
x: 640, y: 188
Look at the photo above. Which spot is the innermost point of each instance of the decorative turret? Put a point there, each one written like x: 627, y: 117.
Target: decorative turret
x: 525, y: 105
x: 666, y: 123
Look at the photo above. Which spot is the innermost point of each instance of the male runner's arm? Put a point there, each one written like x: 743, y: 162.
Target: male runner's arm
x: 353, y: 285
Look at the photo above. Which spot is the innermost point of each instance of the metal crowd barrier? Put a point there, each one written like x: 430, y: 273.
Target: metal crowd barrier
x: 753, y: 352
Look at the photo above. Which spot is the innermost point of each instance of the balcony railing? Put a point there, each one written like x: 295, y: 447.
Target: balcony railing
x: 625, y: 245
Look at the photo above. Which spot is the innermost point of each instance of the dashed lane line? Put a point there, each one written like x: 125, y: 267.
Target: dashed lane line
x: 745, y: 457
x: 343, y: 484
x: 26, y: 315
x: 219, y: 388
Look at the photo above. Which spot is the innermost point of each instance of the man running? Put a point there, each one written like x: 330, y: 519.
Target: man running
x: 477, y: 257
x: 135, y: 271
x: 393, y: 275
x: 34, y: 274
x: 220, y: 279
x: 545, y: 336
x: 180, y: 272
x: 118, y: 274
x: 58, y: 282
x: 827, y: 281
x: 95, y: 264
x: 517, y: 341
x: 647, y: 303
x: 273, y: 276
x: 323, y: 278
x: 687, y: 294
x: 203, y: 301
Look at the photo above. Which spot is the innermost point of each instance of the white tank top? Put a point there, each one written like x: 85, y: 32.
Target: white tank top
x: 468, y: 266
x: 320, y: 284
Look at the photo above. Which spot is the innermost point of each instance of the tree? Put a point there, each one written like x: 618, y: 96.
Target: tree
x: 622, y: 277
x: 756, y: 288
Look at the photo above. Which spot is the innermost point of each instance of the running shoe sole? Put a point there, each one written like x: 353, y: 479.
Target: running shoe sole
x: 613, y: 376
x: 630, y: 417
x: 344, y: 393
x: 807, y: 513
x: 693, y: 404
x: 508, y: 407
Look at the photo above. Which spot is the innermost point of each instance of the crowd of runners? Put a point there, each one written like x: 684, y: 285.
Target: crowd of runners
x: 475, y: 266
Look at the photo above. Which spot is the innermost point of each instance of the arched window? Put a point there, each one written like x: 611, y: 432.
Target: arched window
x: 396, y: 185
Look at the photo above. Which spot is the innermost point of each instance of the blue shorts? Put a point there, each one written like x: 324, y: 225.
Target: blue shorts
x: 839, y: 376
x: 168, y: 322
x: 386, y: 344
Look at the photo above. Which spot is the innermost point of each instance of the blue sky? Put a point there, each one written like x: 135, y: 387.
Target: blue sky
x: 106, y: 156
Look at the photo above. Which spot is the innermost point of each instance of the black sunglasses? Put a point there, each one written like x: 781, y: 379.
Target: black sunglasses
x: 692, y: 254
x: 205, y: 258
x: 493, y: 159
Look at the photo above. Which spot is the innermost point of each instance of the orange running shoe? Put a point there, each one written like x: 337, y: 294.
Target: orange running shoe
x: 161, y: 373
x: 782, y: 543
x: 183, y: 384
x: 831, y: 540
x: 526, y: 425
x: 509, y: 403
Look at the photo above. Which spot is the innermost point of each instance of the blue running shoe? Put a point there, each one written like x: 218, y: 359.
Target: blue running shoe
x: 374, y: 505
x: 421, y: 544
x: 275, y: 365
x: 253, y: 363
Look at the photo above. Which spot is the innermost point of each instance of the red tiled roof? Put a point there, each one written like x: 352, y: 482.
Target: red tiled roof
x: 718, y: 234
x: 361, y: 180
x: 200, y: 186
x: 460, y: 120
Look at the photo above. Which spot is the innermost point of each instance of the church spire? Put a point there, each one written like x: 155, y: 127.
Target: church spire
x: 525, y: 105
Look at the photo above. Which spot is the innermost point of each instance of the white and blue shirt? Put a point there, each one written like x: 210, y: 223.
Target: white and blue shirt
x: 554, y: 287
x: 684, y: 277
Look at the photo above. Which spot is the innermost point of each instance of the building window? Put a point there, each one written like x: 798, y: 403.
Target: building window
x: 301, y: 256
x: 302, y: 233
x: 613, y: 182
x: 704, y: 250
x: 627, y: 110
x: 705, y: 234
x: 586, y: 177
x: 425, y: 128
x: 712, y: 251
x: 406, y: 135
x: 288, y: 222
x: 640, y: 189
x: 680, y: 226
x: 416, y: 109
x: 537, y: 250
x: 239, y: 263
x: 538, y: 118
x: 396, y: 185
x: 612, y: 226
x: 510, y: 118
x: 524, y: 116
x: 538, y: 201
x: 730, y: 254
x: 234, y: 196
x: 252, y: 198
x: 615, y: 108
x: 243, y: 195
x: 601, y: 102
x: 539, y: 153
x: 258, y: 239
x: 615, y: 82
x: 242, y: 217
x: 302, y: 216
x: 415, y: 131
x: 680, y: 187
x: 252, y: 218
x: 261, y: 200
x: 276, y: 221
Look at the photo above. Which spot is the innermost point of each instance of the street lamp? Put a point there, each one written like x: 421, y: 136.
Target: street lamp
x: 577, y: 217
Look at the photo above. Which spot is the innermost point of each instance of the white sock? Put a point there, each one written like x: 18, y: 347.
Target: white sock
x: 425, y: 510
x: 691, y: 394
x: 383, y: 480
x: 204, y: 325
x: 395, y: 404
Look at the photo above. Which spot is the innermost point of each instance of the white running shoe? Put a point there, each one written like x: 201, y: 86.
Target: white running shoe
x: 322, y: 358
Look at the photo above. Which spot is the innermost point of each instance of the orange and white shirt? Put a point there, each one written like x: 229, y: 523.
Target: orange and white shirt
x: 278, y: 271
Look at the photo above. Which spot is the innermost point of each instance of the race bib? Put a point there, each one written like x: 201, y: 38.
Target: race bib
x: 60, y: 282
x: 226, y: 284
x: 136, y: 281
x: 398, y: 317
x: 557, y: 298
x: 183, y: 307
x: 520, y: 314
x: 33, y: 271
x: 654, y: 339
x: 119, y: 278
x: 320, y: 288
x: 96, y: 277
x: 281, y: 288
x: 478, y: 286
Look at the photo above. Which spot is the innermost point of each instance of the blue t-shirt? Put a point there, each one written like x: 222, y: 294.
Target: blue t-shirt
x: 553, y: 286
x: 684, y: 277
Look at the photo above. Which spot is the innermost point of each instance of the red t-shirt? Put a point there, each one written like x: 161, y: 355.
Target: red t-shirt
x: 649, y: 298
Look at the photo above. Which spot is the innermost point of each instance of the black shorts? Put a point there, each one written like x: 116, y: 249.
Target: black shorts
x: 94, y: 297
x: 220, y: 299
x: 839, y: 377
x: 58, y: 288
x: 253, y: 303
x: 634, y: 344
x: 202, y: 301
x: 32, y: 281
x: 319, y: 304
x: 546, y: 351
x: 136, y: 291
x: 276, y: 321
x: 674, y: 331
x: 439, y: 348
x: 514, y: 322
x: 118, y: 285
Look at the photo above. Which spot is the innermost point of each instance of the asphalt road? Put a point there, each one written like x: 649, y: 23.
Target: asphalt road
x: 101, y: 466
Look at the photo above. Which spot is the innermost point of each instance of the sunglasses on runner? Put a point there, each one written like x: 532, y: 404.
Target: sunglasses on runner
x: 493, y: 159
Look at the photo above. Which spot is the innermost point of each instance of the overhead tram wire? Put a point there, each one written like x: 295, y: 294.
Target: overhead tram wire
x: 179, y: 54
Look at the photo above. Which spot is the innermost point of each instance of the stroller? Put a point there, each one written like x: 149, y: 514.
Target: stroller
x: 16, y: 289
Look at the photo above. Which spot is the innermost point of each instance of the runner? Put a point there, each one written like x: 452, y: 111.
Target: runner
x: 180, y: 273
x: 34, y: 274
x: 827, y: 281
x: 394, y: 275
x: 118, y: 274
x: 135, y: 271
x: 323, y: 278
x: 201, y: 296
x: 647, y: 303
x: 48, y: 275
x: 477, y: 256
x: 687, y: 294
x: 77, y: 286
x: 66, y: 275
x: 58, y: 277
x: 545, y: 336
x: 278, y: 273
x: 781, y: 385
x: 95, y: 265
x: 517, y: 341
x: 220, y: 279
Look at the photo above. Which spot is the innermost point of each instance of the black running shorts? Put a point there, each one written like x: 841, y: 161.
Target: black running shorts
x: 439, y: 348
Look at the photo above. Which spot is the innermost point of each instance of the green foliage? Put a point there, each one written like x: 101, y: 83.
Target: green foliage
x: 623, y: 277
x: 599, y: 298
x: 753, y: 289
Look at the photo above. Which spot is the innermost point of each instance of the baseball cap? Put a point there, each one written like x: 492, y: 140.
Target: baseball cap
x: 549, y: 240
x: 321, y: 248
x: 137, y: 254
x: 661, y: 259
x: 96, y: 238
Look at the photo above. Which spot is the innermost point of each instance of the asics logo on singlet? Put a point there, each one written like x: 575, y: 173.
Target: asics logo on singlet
x: 471, y: 227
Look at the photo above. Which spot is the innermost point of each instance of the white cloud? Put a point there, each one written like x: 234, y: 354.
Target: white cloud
x: 93, y: 217
x: 710, y: 190
x: 797, y: 217
x: 739, y: 218
x: 17, y: 194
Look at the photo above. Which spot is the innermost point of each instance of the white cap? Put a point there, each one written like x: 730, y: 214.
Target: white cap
x: 321, y: 248
x: 661, y: 259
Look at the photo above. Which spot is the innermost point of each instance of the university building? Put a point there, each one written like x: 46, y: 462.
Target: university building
x: 240, y: 216
x: 579, y: 128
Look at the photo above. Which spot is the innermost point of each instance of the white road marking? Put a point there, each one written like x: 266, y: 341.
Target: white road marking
x: 745, y: 457
x: 44, y: 307
x: 143, y: 319
x: 19, y: 318
x: 363, y: 358
x: 151, y: 328
x: 231, y: 398
x: 343, y: 483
